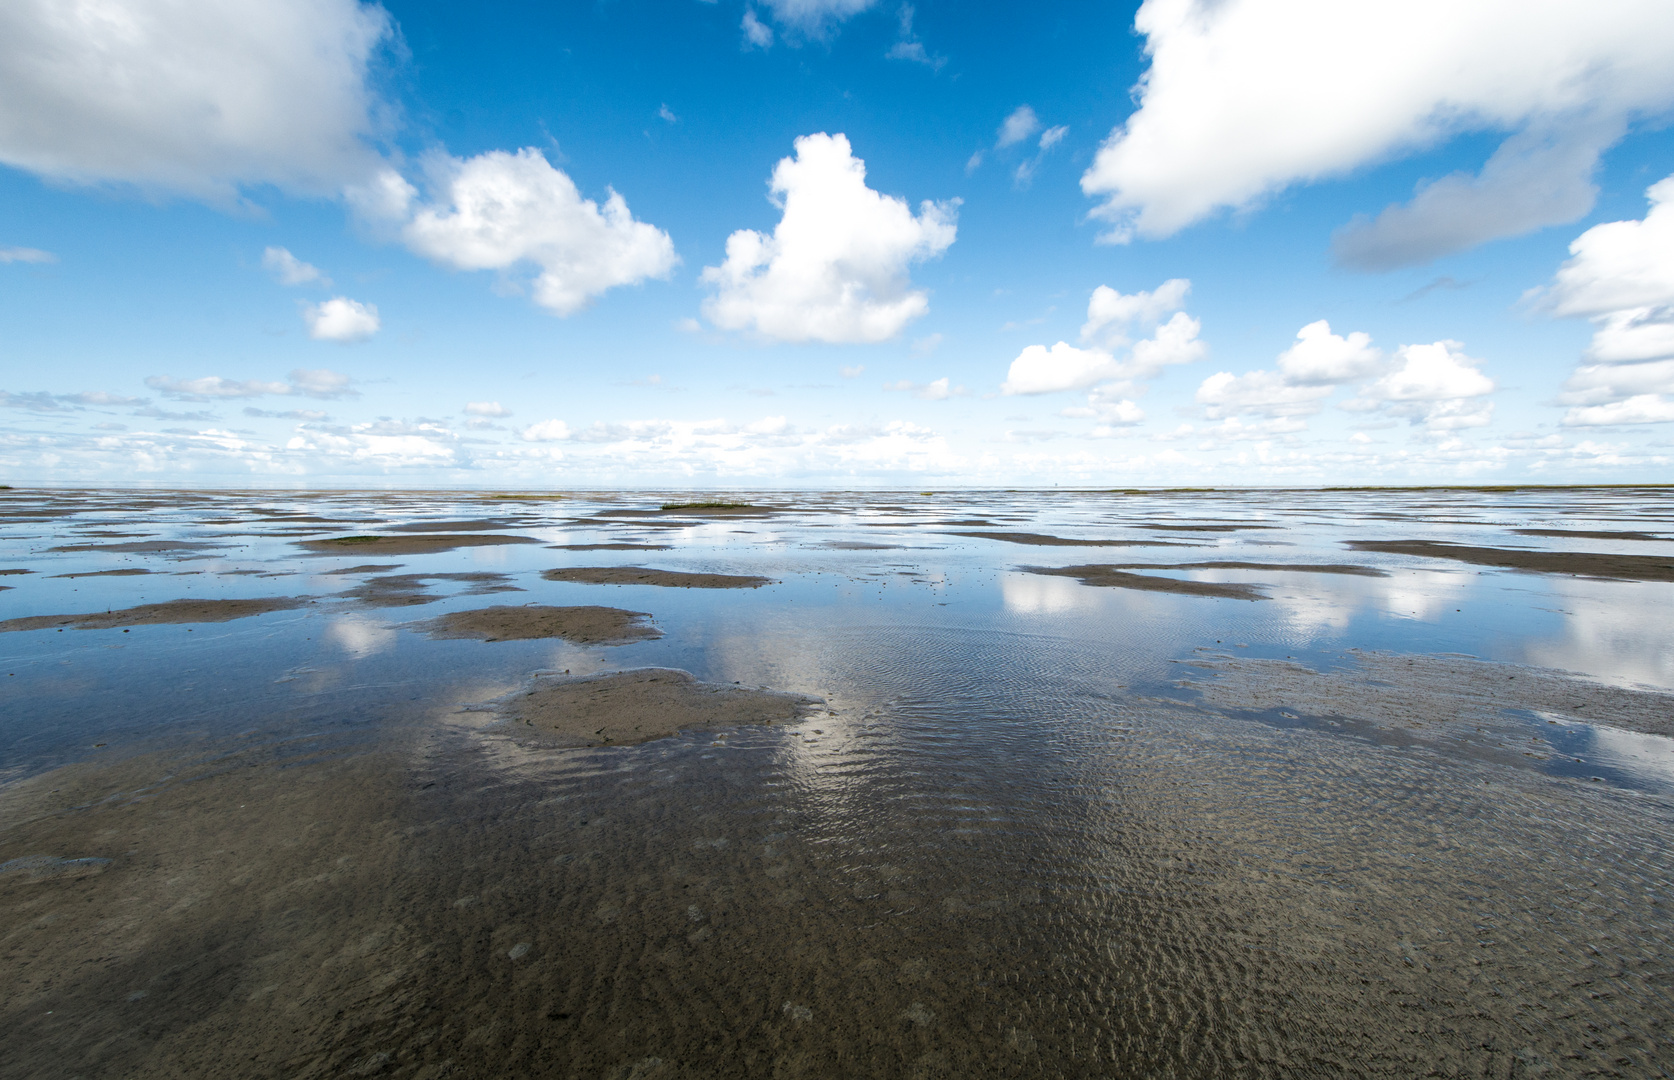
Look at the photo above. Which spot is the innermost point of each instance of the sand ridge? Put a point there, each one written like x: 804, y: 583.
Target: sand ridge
x: 1043, y: 540
x: 1110, y: 577
x: 407, y: 545
x: 586, y: 625
x: 173, y: 611
x: 644, y: 575
x: 642, y: 704
x: 1580, y: 563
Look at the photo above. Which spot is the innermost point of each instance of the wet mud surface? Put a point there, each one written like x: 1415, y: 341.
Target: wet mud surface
x: 1588, y: 563
x: 406, y: 545
x: 643, y: 704
x: 913, y: 812
x: 174, y: 611
x: 642, y: 575
x: 591, y: 625
x: 1042, y: 540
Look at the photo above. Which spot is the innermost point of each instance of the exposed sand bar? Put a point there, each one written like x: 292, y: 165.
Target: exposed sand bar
x: 1589, y: 534
x: 1205, y: 528
x: 405, y: 545
x: 406, y: 590
x: 643, y: 704
x: 1111, y: 577
x: 1288, y: 568
x: 175, y: 611
x: 643, y: 575
x: 589, y: 625
x: 1582, y: 563
x: 1393, y: 691
x: 611, y: 547
x: 141, y: 547
x: 1043, y: 540
x: 476, y: 525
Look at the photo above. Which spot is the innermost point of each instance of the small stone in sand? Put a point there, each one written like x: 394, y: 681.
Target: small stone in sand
x: 589, y: 625
x: 644, y: 704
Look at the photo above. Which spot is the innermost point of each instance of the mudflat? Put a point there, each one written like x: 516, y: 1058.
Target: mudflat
x: 419, y: 544
x: 643, y: 704
x: 644, y: 575
x: 1110, y: 577
x: 174, y: 611
x: 587, y: 625
x: 1581, y: 563
x: 1043, y: 540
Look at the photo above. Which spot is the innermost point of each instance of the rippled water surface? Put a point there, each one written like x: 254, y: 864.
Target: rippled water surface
x: 1038, y: 827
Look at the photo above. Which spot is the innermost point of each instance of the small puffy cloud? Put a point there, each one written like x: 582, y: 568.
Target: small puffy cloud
x: 1230, y: 110
x: 1111, y: 315
x: 756, y: 32
x: 40, y: 401
x: 1174, y: 342
x: 667, y: 114
x: 911, y: 49
x: 1021, y: 124
x: 1321, y: 358
x: 939, y: 390
x: 1108, y: 406
x: 807, y: 19
x: 287, y: 269
x: 1040, y: 370
x: 1053, y: 136
x: 1620, y: 275
x: 835, y: 268
x: 499, y: 210
x: 26, y: 255
x: 1639, y: 409
x: 341, y: 319
x: 1262, y: 393
x: 851, y: 371
x: 486, y: 408
x: 197, y: 97
x: 1436, y: 385
x: 546, y: 431
x: 304, y: 382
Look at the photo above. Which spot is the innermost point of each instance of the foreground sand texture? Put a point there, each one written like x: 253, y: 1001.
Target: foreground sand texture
x: 914, y: 811
x: 648, y: 703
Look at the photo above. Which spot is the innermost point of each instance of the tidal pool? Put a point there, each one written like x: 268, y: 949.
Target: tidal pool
x: 1345, y: 783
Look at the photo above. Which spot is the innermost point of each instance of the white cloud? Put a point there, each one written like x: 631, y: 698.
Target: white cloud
x: 1174, y: 342
x: 667, y: 114
x: 486, y: 408
x: 1621, y: 276
x: 305, y: 382
x: 835, y: 268
x: 851, y: 371
x: 499, y: 209
x: 341, y: 319
x: 1244, y: 98
x: 287, y: 269
x: 1040, y: 370
x: 756, y: 32
x: 938, y: 390
x: 197, y: 97
x: 1021, y: 124
x: 1111, y: 315
x: 1321, y: 358
x: 1109, y: 407
x: 813, y: 19
x: 26, y: 255
x: 1263, y: 393
x: 1639, y: 409
x: 909, y: 47
x: 1436, y: 385
x: 547, y: 431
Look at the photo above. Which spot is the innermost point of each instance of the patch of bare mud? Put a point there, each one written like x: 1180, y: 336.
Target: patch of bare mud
x: 590, y: 625
x: 1206, y: 528
x: 140, y: 547
x: 408, y: 590
x: 611, y: 547
x: 1289, y: 568
x: 126, y: 571
x: 174, y: 611
x: 647, y: 703
x: 15, y: 570
x: 1589, y: 534
x: 642, y: 575
x: 475, y: 525
x: 366, y: 568
x: 1110, y: 577
x: 1043, y: 540
x: 1579, y: 563
x: 406, y: 545
x: 1395, y: 692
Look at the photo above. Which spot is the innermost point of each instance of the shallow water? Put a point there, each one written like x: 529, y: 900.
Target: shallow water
x: 1025, y: 836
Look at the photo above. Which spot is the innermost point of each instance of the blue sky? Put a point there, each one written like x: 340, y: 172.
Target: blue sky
x: 851, y: 244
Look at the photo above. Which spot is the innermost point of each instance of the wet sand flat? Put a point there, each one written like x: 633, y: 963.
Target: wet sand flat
x: 1110, y: 577
x: 406, y: 545
x: 174, y: 611
x: 643, y: 704
x: 1289, y: 568
x: 620, y: 546
x: 1589, y: 564
x: 642, y: 575
x: 406, y: 590
x: 590, y: 625
x: 1589, y: 534
x: 1042, y: 540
